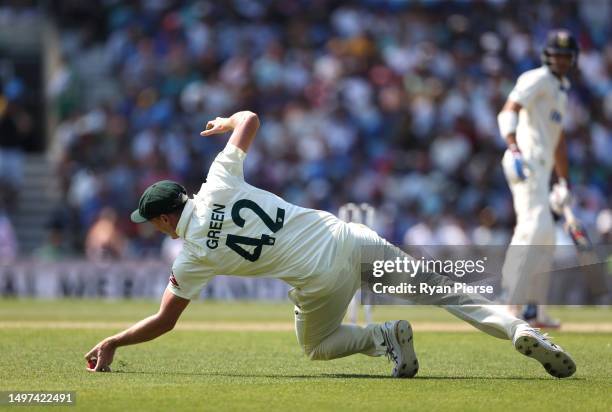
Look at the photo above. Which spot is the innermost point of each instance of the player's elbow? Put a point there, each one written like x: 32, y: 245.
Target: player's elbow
x: 165, y: 323
x: 511, y: 106
x: 253, y: 118
x: 166, y: 327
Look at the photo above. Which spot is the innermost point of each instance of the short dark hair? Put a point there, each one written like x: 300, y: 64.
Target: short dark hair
x: 179, y: 209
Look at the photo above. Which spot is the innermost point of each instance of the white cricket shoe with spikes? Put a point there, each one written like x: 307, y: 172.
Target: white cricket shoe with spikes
x: 530, y: 342
x: 400, y: 349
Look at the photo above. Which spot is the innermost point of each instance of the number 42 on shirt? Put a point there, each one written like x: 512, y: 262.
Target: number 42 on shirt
x: 234, y: 242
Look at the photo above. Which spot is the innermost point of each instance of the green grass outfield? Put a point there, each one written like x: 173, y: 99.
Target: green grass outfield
x: 265, y: 370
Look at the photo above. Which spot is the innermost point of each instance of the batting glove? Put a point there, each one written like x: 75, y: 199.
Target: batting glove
x: 560, y: 196
x: 516, y: 168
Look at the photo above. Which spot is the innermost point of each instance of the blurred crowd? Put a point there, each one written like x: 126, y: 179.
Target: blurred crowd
x: 17, y: 134
x: 388, y: 102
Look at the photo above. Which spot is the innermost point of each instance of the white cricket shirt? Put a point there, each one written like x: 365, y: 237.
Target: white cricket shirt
x: 544, y: 100
x: 233, y: 228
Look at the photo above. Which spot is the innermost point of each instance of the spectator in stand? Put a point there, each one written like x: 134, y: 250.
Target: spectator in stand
x: 56, y: 247
x: 8, y: 240
x: 105, y: 240
x: 12, y: 124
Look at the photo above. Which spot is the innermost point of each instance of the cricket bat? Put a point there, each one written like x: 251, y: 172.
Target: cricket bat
x: 576, y: 230
x: 593, y: 268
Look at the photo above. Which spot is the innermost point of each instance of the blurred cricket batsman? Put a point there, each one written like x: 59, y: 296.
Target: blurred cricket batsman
x: 231, y: 227
x: 531, y: 122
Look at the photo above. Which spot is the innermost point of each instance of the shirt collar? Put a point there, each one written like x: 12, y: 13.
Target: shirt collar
x: 181, y: 226
x: 564, y: 83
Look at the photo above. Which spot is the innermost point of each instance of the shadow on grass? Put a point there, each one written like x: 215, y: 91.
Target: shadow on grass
x: 346, y: 376
x: 255, y: 375
x: 501, y: 378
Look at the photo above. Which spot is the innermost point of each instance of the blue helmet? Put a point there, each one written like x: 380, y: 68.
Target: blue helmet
x: 560, y: 42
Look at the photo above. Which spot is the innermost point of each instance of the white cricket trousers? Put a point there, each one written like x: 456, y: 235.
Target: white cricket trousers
x: 529, y: 258
x: 318, y: 317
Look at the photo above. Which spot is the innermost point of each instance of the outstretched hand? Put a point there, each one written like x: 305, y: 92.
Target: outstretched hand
x: 243, y: 125
x: 217, y: 126
x: 101, y: 356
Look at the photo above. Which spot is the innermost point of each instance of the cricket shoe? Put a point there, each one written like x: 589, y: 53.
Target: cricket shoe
x: 538, y: 318
x: 530, y: 342
x: 400, y: 349
x: 547, y: 323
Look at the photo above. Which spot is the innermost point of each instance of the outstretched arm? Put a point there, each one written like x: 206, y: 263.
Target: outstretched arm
x: 147, y: 329
x: 244, y: 124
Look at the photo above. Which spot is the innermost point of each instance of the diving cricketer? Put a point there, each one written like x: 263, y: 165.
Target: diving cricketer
x: 531, y: 122
x: 231, y: 227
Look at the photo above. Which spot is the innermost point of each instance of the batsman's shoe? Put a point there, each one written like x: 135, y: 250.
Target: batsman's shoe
x: 530, y: 342
x: 400, y: 349
x: 537, y: 317
x: 546, y: 323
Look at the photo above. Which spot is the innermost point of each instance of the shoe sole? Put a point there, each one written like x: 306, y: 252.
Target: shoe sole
x: 557, y: 363
x: 408, y: 366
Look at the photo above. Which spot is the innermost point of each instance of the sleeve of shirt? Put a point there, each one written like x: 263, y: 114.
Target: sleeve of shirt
x: 527, y: 88
x: 188, y: 276
x: 228, y: 166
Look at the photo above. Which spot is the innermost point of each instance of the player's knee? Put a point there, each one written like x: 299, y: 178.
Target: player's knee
x: 314, y: 353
